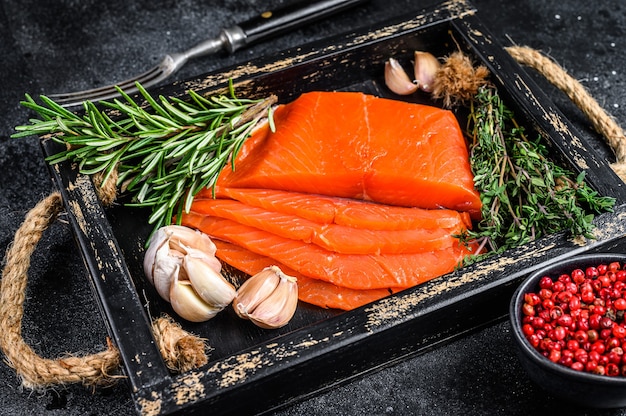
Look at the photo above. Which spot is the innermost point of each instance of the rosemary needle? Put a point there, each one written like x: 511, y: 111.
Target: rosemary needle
x: 164, y: 153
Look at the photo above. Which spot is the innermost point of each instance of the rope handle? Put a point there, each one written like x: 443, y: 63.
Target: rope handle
x: 602, y: 122
x: 181, y: 351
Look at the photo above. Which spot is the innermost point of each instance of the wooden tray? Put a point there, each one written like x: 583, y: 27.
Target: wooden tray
x: 253, y: 370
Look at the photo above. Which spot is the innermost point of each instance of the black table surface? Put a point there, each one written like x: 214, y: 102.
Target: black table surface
x: 66, y: 45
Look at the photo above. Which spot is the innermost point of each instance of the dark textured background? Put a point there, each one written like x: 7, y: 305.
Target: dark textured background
x: 54, y: 46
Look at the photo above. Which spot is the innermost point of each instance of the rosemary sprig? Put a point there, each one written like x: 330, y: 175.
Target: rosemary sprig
x: 164, y: 153
x: 524, y: 194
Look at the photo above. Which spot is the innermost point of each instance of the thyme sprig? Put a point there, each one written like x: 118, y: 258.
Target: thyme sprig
x: 164, y: 153
x: 524, y: 194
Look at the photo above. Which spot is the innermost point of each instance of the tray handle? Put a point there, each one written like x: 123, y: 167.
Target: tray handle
x: 601, y: 120
x: 181, y: 350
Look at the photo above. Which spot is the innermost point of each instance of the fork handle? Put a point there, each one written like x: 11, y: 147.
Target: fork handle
x: 274, y: 22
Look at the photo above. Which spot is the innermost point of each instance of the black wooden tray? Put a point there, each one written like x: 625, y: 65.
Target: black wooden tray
x: 251, y: 370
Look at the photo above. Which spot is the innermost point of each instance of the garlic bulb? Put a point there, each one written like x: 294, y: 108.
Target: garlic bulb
x: 425, y: 68
x: 181, y: 264
x: 397, y: 80
x: 269, y: 298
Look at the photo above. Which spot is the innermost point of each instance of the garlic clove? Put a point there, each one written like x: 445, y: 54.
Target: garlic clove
x: 211, y: 260
x: 269, y: 299
x: 397, y: 79
x: 185, y: 236
x: 284, y: 299
x: 425, y: 68
x: 207, y: 283
x: 187, y: 304
x: 256, y: 289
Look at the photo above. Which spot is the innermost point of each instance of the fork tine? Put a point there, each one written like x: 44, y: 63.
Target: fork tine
x: 147, y: 79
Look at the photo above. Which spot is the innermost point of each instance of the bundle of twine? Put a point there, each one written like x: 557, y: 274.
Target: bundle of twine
x: 181, y: 350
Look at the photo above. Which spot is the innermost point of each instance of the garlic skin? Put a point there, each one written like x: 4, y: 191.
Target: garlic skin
x: 160, y: 263
x: 425, y: 67
x: 186, y: 236
x: 180, y: 262
x: 397, y: 79
x: 210, y: 260
x: 269, y: 298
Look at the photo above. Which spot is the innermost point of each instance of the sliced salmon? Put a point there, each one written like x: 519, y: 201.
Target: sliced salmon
x: 356, y: 271
x: 359, y: 146
x: 316, y: 208
x: 314, y: 291
x: 332, y: 237
x: 343, y: 211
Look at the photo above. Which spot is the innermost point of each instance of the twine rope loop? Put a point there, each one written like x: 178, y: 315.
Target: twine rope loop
x: 602, y: 122
x: 181, y: 350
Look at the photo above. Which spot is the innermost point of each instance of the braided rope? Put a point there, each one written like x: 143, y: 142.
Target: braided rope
x: 181, y: 350
x: 95, y: 369
x: 602, y: 122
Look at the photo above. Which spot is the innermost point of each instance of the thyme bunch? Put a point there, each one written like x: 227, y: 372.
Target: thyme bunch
x: 524, y: 194
x: 164, y: 153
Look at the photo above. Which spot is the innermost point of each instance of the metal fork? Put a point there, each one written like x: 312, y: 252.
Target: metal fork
x: 259, y: 28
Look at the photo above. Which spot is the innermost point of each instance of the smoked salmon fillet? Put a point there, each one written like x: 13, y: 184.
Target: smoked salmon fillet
x: 356, y: 271
x: 330, y: 236
x: 353, y: 145
x: 314, y: 291
x: 342, y: 211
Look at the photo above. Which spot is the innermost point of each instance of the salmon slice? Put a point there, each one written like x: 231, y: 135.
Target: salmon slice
x: 313, y: 291
x: 312, y: 207
x: 343, y: 211
x: 359, y: 146
x: 332, y: 237
x: 356, y: 271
